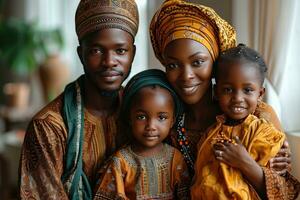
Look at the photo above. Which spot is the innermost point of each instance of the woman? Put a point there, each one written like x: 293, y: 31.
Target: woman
x: 187, y: 38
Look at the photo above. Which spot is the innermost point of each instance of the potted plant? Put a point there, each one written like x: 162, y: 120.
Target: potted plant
x: 23, y: 46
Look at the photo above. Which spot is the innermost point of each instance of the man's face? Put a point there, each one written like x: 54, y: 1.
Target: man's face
x: 107, y: 56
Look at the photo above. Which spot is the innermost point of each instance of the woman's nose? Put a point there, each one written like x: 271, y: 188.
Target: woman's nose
x: 187, y: 73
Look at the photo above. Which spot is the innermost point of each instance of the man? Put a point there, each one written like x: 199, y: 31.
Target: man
x: 68, y: 140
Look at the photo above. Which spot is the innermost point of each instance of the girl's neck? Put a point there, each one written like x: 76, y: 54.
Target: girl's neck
x: 144, y: 151
x: 98, y: 104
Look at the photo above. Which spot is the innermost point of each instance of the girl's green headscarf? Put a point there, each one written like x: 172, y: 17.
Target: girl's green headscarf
x: 143, y: 79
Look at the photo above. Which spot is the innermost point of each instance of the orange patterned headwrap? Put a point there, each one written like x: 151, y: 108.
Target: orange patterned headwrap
x: 177, y: 19
x: 94, y: 15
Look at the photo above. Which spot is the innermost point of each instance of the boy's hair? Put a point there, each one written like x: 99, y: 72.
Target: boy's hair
x: 244, y: 54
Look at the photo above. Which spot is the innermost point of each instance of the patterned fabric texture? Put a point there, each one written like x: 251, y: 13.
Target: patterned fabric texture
x: 177, y: 19
x: 94, y: 15
x: 217, y: 180
x: 130, y: 176
x: 44, y: 148
x: 276, y: 185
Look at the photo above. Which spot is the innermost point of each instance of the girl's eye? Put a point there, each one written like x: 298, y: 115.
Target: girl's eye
x: 162, y: 117
x: 141, y: 117
x: 121, y: 51
x: 197, y: 63
x: 171, y: 66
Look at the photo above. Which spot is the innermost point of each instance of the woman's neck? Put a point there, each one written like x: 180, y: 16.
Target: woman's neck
x: 201, y: 115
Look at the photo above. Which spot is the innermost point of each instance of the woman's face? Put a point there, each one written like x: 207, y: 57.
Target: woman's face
x: 189, y: 68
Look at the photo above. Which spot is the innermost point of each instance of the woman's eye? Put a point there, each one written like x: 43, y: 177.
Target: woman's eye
x: 227, y: 90
x: 197, y: 63
x: 121, y: 51
x: 172, y: 66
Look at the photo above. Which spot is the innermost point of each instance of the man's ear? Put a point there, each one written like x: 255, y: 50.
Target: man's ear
x: 134, y: 51
x: 79, y: 53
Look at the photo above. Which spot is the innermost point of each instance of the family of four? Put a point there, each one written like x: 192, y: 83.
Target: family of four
x: 166, y: 135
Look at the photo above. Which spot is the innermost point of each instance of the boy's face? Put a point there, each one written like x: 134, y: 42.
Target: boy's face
x: 107, y: 56
x: 151, y: 117
x: 238, y: 89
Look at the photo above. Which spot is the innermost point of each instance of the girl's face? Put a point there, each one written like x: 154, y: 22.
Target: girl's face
x: 189, y: 68
x: 238, y: 89
x: 151, y: 117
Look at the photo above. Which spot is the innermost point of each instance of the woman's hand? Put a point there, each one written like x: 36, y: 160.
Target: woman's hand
x: 282, y: 161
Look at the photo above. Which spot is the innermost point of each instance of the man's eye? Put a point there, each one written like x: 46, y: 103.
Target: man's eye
x: 121, y: 51
x: 94, y: 51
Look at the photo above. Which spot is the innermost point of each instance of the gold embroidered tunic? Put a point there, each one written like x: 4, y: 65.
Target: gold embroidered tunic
x: 130, y: 176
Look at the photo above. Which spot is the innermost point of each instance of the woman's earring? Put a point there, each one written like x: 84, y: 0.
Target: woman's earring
x: 213, y: 92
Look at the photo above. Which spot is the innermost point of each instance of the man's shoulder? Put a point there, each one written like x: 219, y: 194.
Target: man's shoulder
x: 53, y: 109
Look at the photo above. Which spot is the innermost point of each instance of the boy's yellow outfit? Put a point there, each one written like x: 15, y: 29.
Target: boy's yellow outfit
x: 217, y: 180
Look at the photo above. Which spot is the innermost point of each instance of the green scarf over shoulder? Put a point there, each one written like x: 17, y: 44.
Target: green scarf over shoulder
x: 74, y: 179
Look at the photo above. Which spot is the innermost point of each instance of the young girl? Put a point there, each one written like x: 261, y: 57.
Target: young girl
x: 147, y: 168
x: 223, y: 164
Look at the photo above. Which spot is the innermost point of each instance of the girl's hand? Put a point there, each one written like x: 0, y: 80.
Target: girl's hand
x: 233, y: 154
x: 282, y: 161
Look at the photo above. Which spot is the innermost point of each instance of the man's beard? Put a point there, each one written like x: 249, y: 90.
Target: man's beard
x: 110, y: 94
x: 113, y: 93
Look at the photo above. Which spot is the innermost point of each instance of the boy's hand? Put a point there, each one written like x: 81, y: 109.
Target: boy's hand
x: 233, y: 154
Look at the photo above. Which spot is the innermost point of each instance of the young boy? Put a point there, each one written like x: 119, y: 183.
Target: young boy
x: 228, y: 157
x: 147, y: 168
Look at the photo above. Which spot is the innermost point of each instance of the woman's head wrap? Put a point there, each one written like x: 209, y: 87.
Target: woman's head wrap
x: 177, y: 19
x: 143, y: 79
x: 94, y: 15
